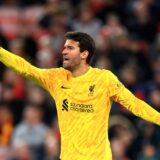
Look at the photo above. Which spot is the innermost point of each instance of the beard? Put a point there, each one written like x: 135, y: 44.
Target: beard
x: 71, y: 66
x: 68, y: 66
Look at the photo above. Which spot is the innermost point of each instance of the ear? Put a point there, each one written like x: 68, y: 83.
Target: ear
x: 84, y: 55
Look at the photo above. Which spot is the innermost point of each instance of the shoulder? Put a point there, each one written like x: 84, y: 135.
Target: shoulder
x: 103, y: 72
x: 60, y: 69
x: 105, y: 75
x: 56, y: 71
x: 20, y: 128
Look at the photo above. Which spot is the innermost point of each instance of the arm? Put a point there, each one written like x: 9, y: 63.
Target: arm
x: 138, y: 107
x: 22, y: 67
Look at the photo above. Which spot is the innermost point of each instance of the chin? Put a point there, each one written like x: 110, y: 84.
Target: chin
x: 67, y: 67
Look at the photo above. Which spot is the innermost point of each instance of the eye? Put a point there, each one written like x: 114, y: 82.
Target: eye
x: 70, y: 47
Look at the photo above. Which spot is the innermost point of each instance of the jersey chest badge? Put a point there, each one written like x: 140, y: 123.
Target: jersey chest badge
x: 91, y: 90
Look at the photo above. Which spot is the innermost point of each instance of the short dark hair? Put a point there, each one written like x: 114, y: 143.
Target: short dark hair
x: 86, y: 42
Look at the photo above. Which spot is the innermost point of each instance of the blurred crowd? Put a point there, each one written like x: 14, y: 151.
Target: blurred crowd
x: 127, y: 36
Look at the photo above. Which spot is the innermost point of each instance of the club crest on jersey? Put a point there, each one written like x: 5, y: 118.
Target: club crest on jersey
x: 91, y: 90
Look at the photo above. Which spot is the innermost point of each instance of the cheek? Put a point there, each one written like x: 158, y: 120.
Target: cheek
x: 76, y: 59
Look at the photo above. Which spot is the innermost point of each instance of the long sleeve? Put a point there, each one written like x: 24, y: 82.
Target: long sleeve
x: 138, y: 107
x: 22, y: 67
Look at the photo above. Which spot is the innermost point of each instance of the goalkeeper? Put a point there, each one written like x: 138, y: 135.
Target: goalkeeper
x: 83, y: 97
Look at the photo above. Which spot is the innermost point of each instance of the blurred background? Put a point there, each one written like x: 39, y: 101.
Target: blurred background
x: 127, y: 35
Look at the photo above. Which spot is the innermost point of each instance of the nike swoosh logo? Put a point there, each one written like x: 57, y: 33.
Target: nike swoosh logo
x: 63, y: 87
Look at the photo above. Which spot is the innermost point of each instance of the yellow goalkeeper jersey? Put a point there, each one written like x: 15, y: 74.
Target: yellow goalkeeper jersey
x: 83, y: 106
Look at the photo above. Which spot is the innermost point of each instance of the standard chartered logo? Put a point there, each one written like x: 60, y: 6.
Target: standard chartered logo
x: 77, y: 107
x: 81, y: 107
x: 65, y: 105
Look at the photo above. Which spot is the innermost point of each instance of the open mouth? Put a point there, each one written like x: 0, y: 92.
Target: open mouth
x: 65, y: 59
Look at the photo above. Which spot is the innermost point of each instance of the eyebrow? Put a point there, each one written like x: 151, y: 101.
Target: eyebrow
x: 68, y: 46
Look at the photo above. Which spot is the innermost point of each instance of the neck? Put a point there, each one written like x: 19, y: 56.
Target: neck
x: 80, y: 71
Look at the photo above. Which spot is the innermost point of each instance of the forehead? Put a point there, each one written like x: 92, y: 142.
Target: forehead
x: 70, y: 42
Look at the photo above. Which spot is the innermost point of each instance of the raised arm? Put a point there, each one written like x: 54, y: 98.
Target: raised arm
x: 22, y: 67
x: 138, y: 107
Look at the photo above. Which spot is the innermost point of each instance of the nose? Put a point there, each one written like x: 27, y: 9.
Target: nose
x: 64, y: 52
